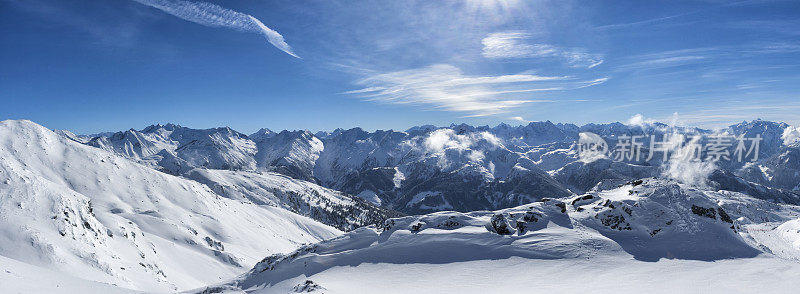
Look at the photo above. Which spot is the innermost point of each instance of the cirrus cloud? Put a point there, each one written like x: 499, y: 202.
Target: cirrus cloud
x: 446, y: 87
x: 213, y: 15
x: 515, y: 45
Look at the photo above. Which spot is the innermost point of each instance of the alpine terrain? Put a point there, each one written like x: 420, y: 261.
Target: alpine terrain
x: 170, y: 208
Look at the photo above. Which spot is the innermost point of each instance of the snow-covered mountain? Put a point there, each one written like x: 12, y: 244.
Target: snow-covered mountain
x: 357, y: 162
x: 80, y: 210
x: 290, y: 153
x: 20, y: 277
x: 219, y: 148
x: 328, y: 206
x: 648, y: 235
x: 237, y: 167
x: 170, y: 208
x: 460, y: 167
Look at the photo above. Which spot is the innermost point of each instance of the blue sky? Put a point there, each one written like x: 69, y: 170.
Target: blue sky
x: 91, y: 66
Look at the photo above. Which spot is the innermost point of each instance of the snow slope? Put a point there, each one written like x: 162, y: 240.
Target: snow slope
x: 19, y: 277
x: 84, y: 211
x: 521, y: 275
x: 328, y: 206
x: 653, y: 234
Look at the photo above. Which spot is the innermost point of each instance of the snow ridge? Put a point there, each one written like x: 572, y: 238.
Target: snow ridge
x: 78, y: 209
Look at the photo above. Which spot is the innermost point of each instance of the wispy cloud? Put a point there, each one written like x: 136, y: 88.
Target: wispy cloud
x: 446, y: 87
x: 516, y: 45
x: 779, y: 26
x: 646, y: 21
x: 213, y: 15
x: 668, y: 18
x: 708, y: 55
x: 671, y: 58
x: 664, y: 62
x: 589, y: 83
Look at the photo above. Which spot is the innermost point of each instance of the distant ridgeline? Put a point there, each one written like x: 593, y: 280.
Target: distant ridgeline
x: 466, y: 168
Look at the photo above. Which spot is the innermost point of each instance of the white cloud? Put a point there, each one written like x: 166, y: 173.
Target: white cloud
x: 442, y: 142
x: 682, y: 165
x: 446, y: 87
x: 636, y: 120
x: 645, y: 22
x: 213, y: 15
x: 791, y: 135
x: 639, y: 120
x: 664, y: 62
x: 515, y: 45
x: 594, y: 82
x: 442, y: 139
x: 476, y: 156
x: 673, y: 17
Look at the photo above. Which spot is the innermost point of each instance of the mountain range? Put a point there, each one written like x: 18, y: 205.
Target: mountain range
x: 460, y: 167
x: 170, y: 208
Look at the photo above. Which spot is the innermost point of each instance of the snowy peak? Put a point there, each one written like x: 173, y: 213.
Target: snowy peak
x: 482, y: 156
x: 421, y: 129
x: 292, y: 153
x: 220, y: 148
x: 132, y: 143
x: 169, y: 127
x: 79, y: 209
x: 771, y: 134
x: 261, y: 134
